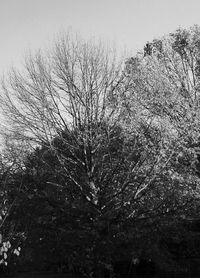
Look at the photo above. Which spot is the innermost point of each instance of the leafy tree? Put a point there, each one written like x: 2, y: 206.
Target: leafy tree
x: 114, y: 157
x: 164, y: 86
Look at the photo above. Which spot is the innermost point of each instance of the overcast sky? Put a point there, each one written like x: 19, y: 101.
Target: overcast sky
x: 130, y: 23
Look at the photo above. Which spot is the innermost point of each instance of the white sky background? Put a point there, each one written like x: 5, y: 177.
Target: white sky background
x: 130, y: 23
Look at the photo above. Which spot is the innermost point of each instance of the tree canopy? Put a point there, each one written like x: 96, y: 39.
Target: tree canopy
x: 104, y: 153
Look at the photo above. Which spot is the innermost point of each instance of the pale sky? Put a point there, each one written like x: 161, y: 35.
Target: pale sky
x: 129, y: 23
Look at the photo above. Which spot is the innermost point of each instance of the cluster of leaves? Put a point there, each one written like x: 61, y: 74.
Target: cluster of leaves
x: 5, y: 250
x: 10, y: 239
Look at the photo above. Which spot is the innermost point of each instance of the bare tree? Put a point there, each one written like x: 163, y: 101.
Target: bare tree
x: 68, y: 88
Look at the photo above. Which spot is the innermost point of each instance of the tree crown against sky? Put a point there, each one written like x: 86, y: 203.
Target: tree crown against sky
x: 68, y: 87
x: 115, y: 138
x: 81, y: 87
